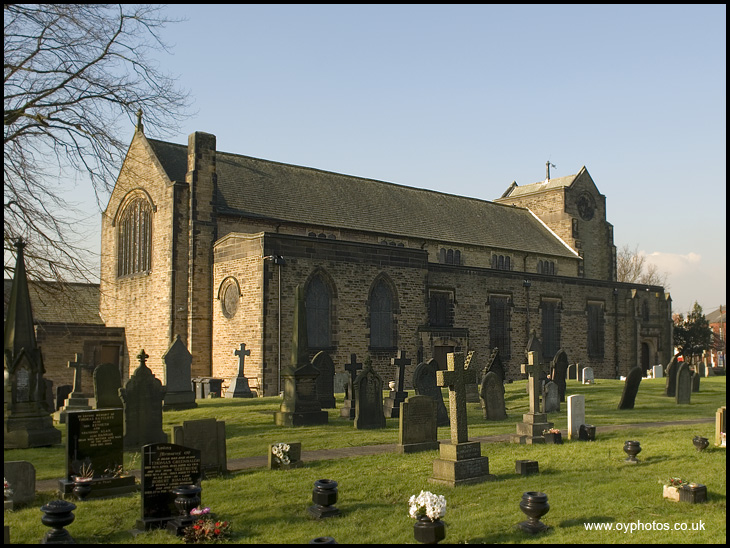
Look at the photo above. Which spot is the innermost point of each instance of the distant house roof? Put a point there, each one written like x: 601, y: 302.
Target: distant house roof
x: 716, y: 316
x: 74, y: 303
x: 258, y: 188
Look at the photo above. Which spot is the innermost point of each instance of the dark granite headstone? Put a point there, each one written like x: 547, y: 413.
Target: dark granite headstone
x: 424, y: 382
x: 670, y: 389
x: 94, y: 442
x: 368, y: 392
x: 179, y: 392
x: 27, y: 421
x: 165, y: 466
x: 325, y: 380
x: 631, y: 387
x: 550, y: 397
x: 142, y: 397
x: 684, y: 384
x: 20, y: 474
x: 492, y: 396
x: 417, y: 423
x: 62, y: 393
x: 696, y: 380
x: 495, y: 364
x: 559, y: 372
x: 107, y: 383
x: 209, y: 437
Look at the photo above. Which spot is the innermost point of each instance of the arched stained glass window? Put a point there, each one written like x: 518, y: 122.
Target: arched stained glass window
x: 134, y: 238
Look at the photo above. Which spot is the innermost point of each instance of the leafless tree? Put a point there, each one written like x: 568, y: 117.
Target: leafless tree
x: 73, y: 74
x: 632, y: 267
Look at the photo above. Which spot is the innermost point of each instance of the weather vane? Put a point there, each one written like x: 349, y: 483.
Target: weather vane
x: 547, y: 170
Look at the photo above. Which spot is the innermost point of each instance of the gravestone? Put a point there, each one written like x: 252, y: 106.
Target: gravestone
x: 49, y: 406
x: 239, y: 387
x: 550, y: 398
x: 721, y: 426
x: 657, y: 371
x: 492, y: 396
x: 295, y: 457
x: 576, y: 415
x: 696, y: 380
x: 142, y: 396
x: 179, y: 392
x: 209, y: 437
x: 300, y: 406
x: 495, y: 365
x: 572, y: 372
x: 165, y: 466
x: 325, y: 380
x: 368, y: 393
x: 472, y: 388
x: 94, y: 440
x: 559, y: 372
x: 631, y: 387
x: 533, y: 423
x: 62, y: 393
x: 77, y: 400
x: 396, y: 397
x: 578, y: 373
x: 340, y: 381
x: 417, y: 425
x: 20, y: 474
x: 424, y: 382
x: 348, y: 406
x: 107, y: 383
x: 588, y: 377
x: 683, y: 384
x: 461, y: 461
x: 670, y: 389
x: 26, y: 421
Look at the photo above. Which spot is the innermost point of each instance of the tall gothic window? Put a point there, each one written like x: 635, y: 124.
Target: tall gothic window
x: 134, y: 238
x: 550, y: 329
x: 381, y: 316
x: 440, y: 312
x: 499, y: 325
x: 596, y: 325
x: 318, y: 313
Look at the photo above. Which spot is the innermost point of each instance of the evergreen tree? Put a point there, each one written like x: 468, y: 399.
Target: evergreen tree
x: 692, y: 336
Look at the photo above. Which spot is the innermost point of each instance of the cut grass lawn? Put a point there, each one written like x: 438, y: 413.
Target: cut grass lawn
x: 586, y: 482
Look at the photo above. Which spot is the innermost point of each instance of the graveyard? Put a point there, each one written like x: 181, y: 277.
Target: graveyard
x: 589, y: 484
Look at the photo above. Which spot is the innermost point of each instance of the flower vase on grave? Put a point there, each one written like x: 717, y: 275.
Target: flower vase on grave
x: 57, y: 514
x: 187, y: 498
x: 426, y: 531
x: 82, y: 487
x: 324, y: 495
x: 534, y: 505
x: 700, y: 443
x: 632, y: 448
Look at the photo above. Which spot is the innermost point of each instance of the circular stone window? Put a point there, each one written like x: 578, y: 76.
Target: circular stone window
x: 586, y: 206
x: 229, y: 296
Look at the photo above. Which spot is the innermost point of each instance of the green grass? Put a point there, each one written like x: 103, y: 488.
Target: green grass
x: 586, y: 482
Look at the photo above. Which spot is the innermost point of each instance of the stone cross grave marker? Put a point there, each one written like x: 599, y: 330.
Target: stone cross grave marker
x: 455, y: 378
x: 348, y: 406
x: 472, y: 390
x: 533, y: 423
x: 461, y: 461
x: 393, y: 401
x: 77, y: 400
x: 239, y: 387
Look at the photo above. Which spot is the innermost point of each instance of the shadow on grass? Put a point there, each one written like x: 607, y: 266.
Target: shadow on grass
x: 514, y: 536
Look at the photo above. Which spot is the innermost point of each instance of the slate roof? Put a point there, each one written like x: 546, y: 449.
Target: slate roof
x: 259, y: 188
x: 558, y: 182
x: 77, y: 303
x: 717, y: 316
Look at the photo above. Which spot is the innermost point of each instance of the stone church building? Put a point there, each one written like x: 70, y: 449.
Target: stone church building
x: 211, y: 245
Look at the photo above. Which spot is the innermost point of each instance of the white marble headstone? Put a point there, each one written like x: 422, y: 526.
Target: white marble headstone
x: 658, y: 371
x: 576, y: 414
x: 588, y: 375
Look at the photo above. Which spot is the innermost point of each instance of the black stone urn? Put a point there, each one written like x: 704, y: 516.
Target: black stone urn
x: 82, y: 489
x: 429, y: 532
x: 587, y: 432
x: 632, y: 448
x: 700, y: 443
x: 324, y: 495
x: 556, y: 438
x: 57, y: 514
x: 534, y: 505
x: 187, y: 497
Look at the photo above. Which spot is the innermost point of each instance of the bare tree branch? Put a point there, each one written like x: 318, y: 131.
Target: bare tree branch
x: 631, y: 267
x: 74, y: 75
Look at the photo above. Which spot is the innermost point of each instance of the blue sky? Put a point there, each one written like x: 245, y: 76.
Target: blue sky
x: 466, y: 99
